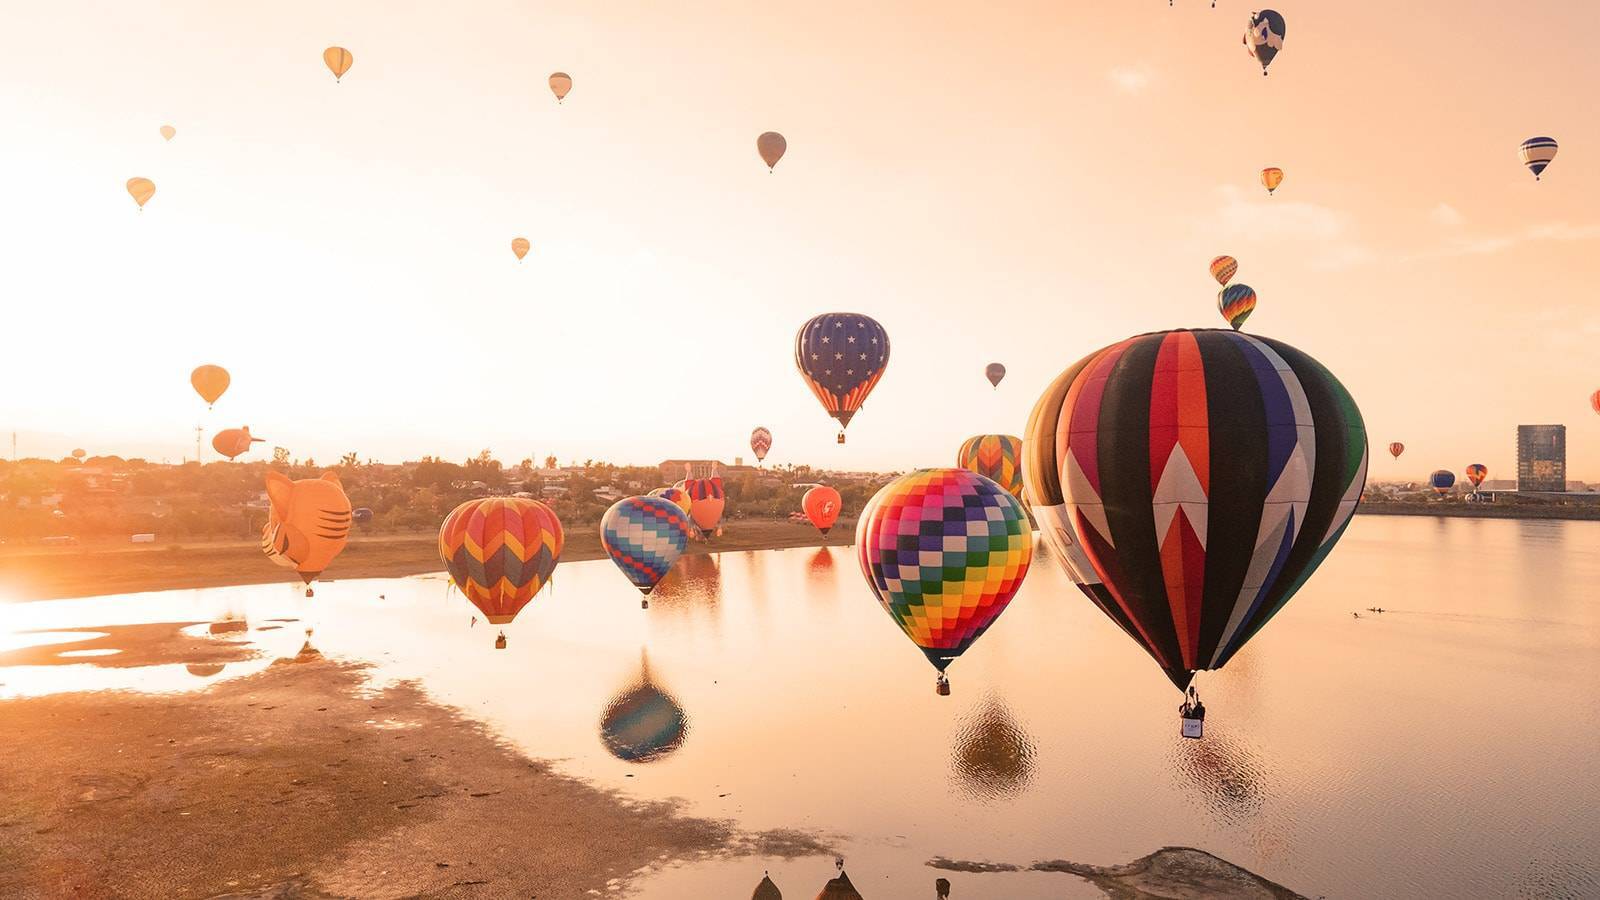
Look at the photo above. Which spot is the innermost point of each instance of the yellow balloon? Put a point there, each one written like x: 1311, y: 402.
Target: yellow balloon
x: 520, y: 246
x: 771, y: 146
x: 141, y: 190
x: 560, y: 84
x: 1271, y: 177
x: 167, y: 131
x: 338, y: 60
x: 209, y: 382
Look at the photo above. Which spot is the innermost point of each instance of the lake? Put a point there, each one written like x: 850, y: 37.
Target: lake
x: 1443, y: 748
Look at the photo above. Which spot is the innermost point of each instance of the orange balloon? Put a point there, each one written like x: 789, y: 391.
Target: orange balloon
x: 1271, y: 177
x: 231, y: 442
x: 338, y: 60
x: 560, y: 84
x: 822, y: 505
x: 168, y: 132
x: 308, y: 525
x: 141, y: 190
x: 771, y: 145
x: 209, y: 382
x: 520, y: 246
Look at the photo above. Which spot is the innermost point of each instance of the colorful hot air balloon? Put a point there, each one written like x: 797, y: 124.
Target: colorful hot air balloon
x: 520, y: 246
x: 822, y: 505
x: 232, y: 442
x: 678, y: 496
x: 997, y: 457
x: 841, y: 356
x: 1264, y: 36
x: 760, y: 443
x: 994, y: 372
x: 1536, y: 153
x: 944, y: 551
x: 168, y: 132
x: 1222, y: 269
x: 209, y: 382
x: 338, y: 61
x: 644, y: 536
x: 1476, y: 473
x: 1396, y: 448
x: 1442, y: 480
x: 500, y: 551
x: 706, y: 503
x: 308, y: 524
x: 1271, y: 177
x: 1191, y: 481
x: 560, y: 85
x: 1236, y: 302
x: 771, y: 146
x: 141, y: 190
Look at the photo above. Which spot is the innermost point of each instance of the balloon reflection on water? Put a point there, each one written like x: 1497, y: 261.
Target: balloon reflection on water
x: 643, y: 723
x: 993, y: 757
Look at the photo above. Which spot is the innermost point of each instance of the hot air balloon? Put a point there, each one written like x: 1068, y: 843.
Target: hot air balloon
x: 1476, y: 473
x: 232, y: 442
x: 338, y: 61
x: 500, y: 551
x: 822, y: 506
x: 1191, y: 481
x: 1264, y: 36
x: 168, y: 132
x: 766, y: 890
x: 997, y: 457
x: 760, y: 443
x: 308, y: 524
x: 1594, y: 401
x: 1536, y: 153
x: 1271, y: 177
x: 1236, y: 302
x: 141, y: 190
x: 79, y: 453
x: 944, y: 551
x: 560, y: 84
x: 1222, y: 269
x: 520, y: 246
x: 644, y: 536
x: 361, y: 515
x: 643, y: 723
x: 839, y: 887
x: 994, y: 372
x: 679, y: 496
x: 209, y: 382
x: 706, y: 503
x: 1442, y: 480
x: 771, y: 146
x: 841, y: 356
x: 1396, y: 448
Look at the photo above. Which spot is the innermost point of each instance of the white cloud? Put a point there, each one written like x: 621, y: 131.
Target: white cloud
x: 1484, y: 244
x: 1132, y: 79
x: 1329, y: 232
x: 1446, y: 215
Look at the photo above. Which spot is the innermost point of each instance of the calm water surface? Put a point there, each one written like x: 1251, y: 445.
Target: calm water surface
x: 1445, y: 748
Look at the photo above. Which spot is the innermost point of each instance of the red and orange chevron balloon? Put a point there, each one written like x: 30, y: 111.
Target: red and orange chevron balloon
x: 500, y: 551
x: 997, y: 457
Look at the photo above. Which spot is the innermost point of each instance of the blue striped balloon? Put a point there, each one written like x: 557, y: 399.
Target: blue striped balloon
x: 1536, y: 153
x: 644, y: 536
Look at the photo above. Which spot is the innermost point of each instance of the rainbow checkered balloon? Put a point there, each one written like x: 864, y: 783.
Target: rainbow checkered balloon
x: 644, y: 536
x: 944, y: 550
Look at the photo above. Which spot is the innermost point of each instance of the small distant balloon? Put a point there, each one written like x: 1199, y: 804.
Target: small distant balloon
x: 1536, y: 153
x: 520, y: 246
x: 141, y: 190
x: 1263, y: 38
x: 771, y: 146
x: 168, y: 132
x: 1594, y: 401
x: 338, y: 60
x: 1396, y: 448
x: 1442, y: 480
x: 209, y: 382
x: 232, y: 442
x: 560, y: 85
x: 79, y: 453
x: 1271, y: 177
x: 1476, y: 473
x: 760, y: 443
x: 822, y: 505
x: 994, y: 372
x: 1223, y: 269
x: 1236, y: 302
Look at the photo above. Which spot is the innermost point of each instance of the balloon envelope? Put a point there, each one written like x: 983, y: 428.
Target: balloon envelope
x: 141, y: 190
x: 168, y: 132
x: 1236, y: 302
x: 560, y: 85
x: 706, y: 501
x: 822, y: 505
x: 841, y: 356
x: 1191, y: 482
x: 1223, y: 268
x: 1594, y: 401
x: 994, y: 372
x: 1442, y: 480
x: 209, y: 382
x: 308, y: 524
x: 1536, y: 153
x: 771, y: 146
x: 944, y: 551
x: 760, y: 443
x: 644, y: 536
x: 79, y: 453
x: 338, y: 61
x: 997, y: 457
x: 500, y: 551
x: 1263, y: 37
x: 520, y: 246
x: 1476, y: 473
x: 232, y: 442
x: 1396, y: 448
x: 1271, y: 177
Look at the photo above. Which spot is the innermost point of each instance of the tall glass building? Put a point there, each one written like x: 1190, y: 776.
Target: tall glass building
x: 1541, y: 457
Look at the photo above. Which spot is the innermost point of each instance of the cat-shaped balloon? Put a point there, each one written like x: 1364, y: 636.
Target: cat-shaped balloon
x: 309, y: 523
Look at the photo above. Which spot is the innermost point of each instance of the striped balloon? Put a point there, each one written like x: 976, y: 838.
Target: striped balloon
x: 1396, y: 448
x: 644, y: 536
x: 1191, y: 482
x: 1223, y: 268
x: 500, y: 551
x: 760, y: 443
x: 1236, y: 302
x: 841, y: 356
x: 708, y: 501
x: 1536, y: 153
x: 944, y: 551
x: 997, y: 457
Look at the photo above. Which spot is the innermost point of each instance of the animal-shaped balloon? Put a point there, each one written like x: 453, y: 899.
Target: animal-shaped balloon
x: 1263, y: 38
x: 822, y: 505
x: 644, y: 536
x: 308, y: 524
x: 232, y: 442
x: 500, y: 551
x: 997, y: 457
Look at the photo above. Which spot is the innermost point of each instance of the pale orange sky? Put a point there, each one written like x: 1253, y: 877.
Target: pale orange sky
x: 1016, y: 182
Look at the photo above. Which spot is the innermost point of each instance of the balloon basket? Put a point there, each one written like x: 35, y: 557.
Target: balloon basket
x: 841, y: 437
x: 644, y: 604
x: 309, y: 593
x: 500, y: 642
x: 1193, y: 729
x: 942, y: 686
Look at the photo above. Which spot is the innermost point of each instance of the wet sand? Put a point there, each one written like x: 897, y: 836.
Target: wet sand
x: 1171, y: 873
x: 60, y: 573
x: 297, y: 783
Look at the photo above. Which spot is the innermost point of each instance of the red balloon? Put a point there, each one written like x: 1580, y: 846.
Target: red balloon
x: 822, y: 504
